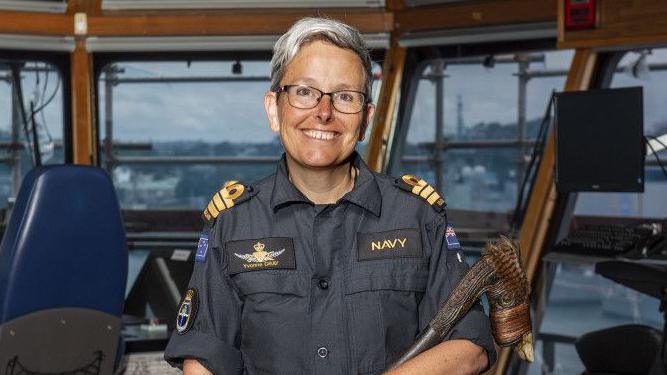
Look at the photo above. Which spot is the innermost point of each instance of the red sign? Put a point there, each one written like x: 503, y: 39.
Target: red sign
x: 579, y: 14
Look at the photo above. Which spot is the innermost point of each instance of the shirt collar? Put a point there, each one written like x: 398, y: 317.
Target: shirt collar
x: 365, y: 194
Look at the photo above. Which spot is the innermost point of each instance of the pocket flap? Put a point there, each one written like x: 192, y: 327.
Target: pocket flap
x: 278, y: 282
x: 388, y: 275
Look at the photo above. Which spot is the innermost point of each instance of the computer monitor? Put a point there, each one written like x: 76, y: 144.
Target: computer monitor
x: 600, y: 140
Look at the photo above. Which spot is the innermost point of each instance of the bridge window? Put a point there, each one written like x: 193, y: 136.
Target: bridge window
x: 172, y: 132
x: 31, y: 128
x: 473, y: 125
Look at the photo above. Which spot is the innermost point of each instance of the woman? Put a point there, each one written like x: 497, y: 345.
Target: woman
x: 324, y: 267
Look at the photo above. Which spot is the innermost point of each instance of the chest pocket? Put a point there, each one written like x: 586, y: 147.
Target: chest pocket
x: 382, y: 298
x: 272, y: 282
x: 274, y: 305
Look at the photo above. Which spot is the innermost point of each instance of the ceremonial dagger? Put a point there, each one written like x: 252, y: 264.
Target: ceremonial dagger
x: 498, y: 273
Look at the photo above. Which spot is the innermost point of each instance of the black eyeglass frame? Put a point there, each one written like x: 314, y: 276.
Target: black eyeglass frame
x: 284, y: 88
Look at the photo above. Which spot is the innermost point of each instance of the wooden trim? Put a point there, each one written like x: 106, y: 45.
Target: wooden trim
x: 36, y: 23
x: 186, y: 23
x: 393, y: 5
x: 475, y: 14
x: 620, y: 42
x: 561, y: 20
x: 384, y: 119
x: 83, y: 137
x: 90, y: 7
x: 542, y: 200
x: 237, y: 22
x: 620, y: 23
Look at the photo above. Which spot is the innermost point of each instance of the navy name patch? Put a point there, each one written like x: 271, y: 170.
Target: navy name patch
x: 187, y: 311
x: 261, y: 254
x: 399, y: 243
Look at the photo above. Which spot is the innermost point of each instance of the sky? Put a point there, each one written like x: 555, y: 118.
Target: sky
x: 228, y: 111
x: 487, y: 95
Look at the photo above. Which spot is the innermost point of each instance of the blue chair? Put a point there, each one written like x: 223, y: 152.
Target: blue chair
x: 63, y: 269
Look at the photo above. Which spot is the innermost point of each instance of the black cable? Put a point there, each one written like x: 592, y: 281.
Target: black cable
x: 42, y: 104
x: 35, y: 140
x: 46, y: 83
x: 53, y: 95
x: 533, y: 164
x: 656, y: 154
x: 18, y: 92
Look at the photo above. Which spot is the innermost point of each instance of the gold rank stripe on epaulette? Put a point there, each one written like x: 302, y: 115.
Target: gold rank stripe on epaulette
x: 419, y: 187
x: 223, y: 199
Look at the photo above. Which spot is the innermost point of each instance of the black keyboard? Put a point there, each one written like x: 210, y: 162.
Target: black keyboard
x: 606, y: 240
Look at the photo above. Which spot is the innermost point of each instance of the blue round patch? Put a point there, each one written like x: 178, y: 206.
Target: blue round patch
x: 187, y: 311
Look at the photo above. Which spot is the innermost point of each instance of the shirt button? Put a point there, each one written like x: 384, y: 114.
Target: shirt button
x: 323, y: 352
x: 323, y: 283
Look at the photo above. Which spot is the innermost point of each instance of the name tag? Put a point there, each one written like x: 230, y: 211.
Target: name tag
x: 399, y: 243
x: 260, y: 254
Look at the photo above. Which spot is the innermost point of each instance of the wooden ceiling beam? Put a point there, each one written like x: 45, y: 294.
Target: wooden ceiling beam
x: 276, y: 21
x: 394, y: 5
x: 621, y: 23
x: 237, y: 22
x: 32, y: 23
x: 475, y: 14
x: 264, y: 22
x: 90, y: 7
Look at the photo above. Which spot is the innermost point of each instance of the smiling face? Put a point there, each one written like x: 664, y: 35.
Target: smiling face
x: 320, y: 137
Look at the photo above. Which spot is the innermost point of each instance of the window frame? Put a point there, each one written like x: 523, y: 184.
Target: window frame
x: 61, y: 61
x: 417, y: 60
x: 103, y: 59
x: 149, y: 219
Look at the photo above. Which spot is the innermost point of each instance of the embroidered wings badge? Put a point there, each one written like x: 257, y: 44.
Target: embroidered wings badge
x: 260, y: 255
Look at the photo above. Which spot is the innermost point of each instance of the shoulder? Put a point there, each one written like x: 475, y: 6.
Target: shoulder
x: 231, y: 194
x: 413, y: 188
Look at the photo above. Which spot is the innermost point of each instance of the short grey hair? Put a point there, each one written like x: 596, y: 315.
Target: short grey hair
x: 309, y: 29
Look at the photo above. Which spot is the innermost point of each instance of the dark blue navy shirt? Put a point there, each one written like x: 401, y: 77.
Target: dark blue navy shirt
x: 290, y: 287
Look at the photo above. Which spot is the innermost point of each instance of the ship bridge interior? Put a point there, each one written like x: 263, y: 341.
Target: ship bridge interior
x: 541, y: 120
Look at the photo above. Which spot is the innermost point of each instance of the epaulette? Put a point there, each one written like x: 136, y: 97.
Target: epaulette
x: 419, y: 187
x: 231, y: 194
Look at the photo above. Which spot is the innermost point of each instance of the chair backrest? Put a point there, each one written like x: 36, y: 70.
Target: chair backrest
x: 627, y: 349
x: 63, y: 269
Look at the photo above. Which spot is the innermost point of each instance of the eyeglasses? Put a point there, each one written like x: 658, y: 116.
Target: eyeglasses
x: 306, y: 97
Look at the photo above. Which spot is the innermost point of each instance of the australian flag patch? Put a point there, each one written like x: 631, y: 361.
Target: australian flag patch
x: 451, y: 240
x: 202, y: 248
